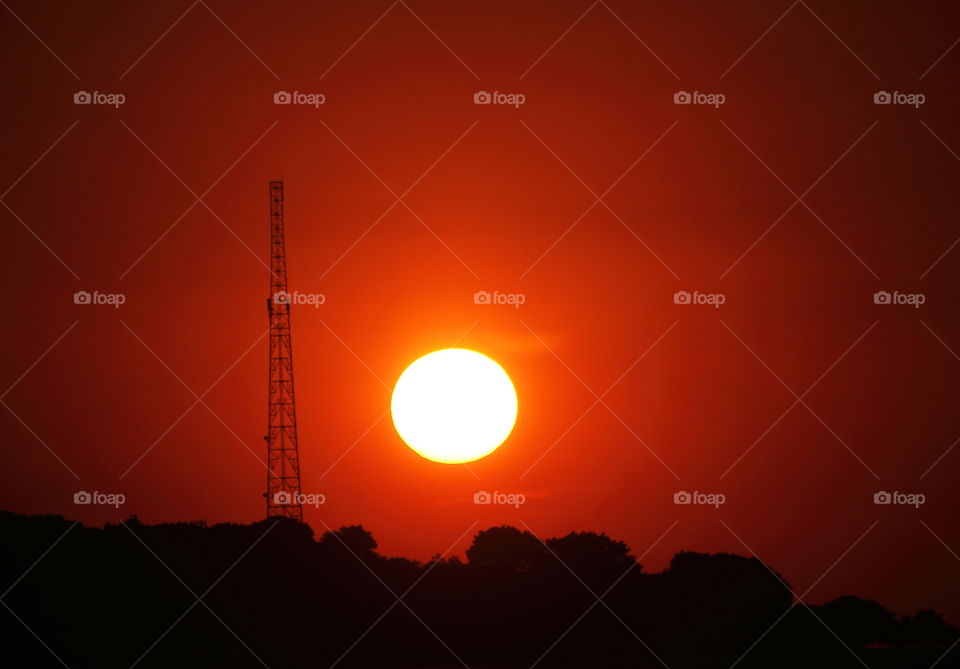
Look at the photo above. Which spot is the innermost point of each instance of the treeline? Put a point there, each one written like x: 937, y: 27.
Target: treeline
x: 270, y: 594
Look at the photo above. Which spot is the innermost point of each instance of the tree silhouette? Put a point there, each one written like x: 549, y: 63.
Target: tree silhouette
x: 860, y: 622
x: 594, y: 558
x: 126, y: 594
x: 354, y: 538
x: 927, y: 629
x: 506, y: 548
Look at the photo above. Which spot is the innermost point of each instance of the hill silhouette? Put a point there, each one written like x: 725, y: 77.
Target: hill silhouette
x: 270, y: 594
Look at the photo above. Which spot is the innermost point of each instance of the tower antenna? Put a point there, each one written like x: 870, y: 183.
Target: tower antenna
x: 283, y: 457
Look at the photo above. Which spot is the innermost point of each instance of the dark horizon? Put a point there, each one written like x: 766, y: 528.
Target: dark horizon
x: 442, y: 552
x: 499, y: 608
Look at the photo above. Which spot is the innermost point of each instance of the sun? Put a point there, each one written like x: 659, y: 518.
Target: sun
x: 454, y: 405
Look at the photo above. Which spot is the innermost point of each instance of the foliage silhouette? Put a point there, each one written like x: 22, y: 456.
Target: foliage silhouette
x: 192, y: 595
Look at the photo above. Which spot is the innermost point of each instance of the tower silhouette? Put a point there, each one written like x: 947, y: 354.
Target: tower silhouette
x: 283, y: 457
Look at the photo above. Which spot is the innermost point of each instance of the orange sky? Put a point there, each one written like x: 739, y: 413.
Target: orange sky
x: 495, y: 197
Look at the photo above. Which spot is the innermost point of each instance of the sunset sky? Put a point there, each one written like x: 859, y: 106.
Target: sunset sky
x: 597, y: 200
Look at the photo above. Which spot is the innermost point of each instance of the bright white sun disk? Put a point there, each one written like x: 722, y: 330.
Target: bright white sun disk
x: 454, y: 405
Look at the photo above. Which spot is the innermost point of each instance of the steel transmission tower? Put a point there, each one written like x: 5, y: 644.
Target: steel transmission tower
x: 283, y: 458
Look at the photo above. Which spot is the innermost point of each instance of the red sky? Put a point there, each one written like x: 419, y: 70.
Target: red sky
x: 797, y: 199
